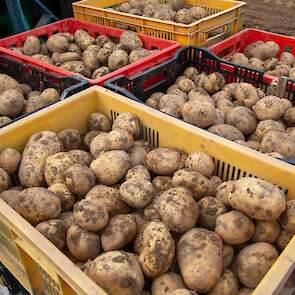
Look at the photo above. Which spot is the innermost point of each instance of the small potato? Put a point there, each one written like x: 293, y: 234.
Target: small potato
x: 225, y: 105
x: 43, y: 58
x: 100, y: 72
x: 138, y: 155
x: 171, y: 104
x: 31, y: 45
x: 200, y: 266
x: 174, y: 89
x: 266, y: 231
x: 257, y: 198
x: 139, y: 172
x: 199, y: 185
x: 234, y: 227
x: 137, y: 193
x: 290, y: 131
x: 138, y: 54
x: 50, y: 95
x: 227, y: 131
x: 111, y: 166
x: 271, y: 49
x: 54, y: 231
x: 243, y: 119
x: 223, y: 192
x: 200, y: 162
x: 128, y: 122
x: 68, y: 35
x: 117, y: 272
x: 222, y: 95
x: 11, y: 103
x: 103, y: 55
x: 252, y: 269
x: 163, y: 161
x: 200, y: 114
x: 186, y: 85
x: 266, y: 126
x: 7, y: 82
x: 120, y: 139
x: 230, y: 88
x: 120, y: 231
x: 57, y: 43
x: 166, y: 283
x: 283, y: 239
x: 81, y: 157
x: 245, y: 291
x: 10, y: 197
x: 247, y: 94
x: 101, y: 40
x: 214, y: 82
x: 289, y: 116
x: 90, y: 216
x: 100, y: 143
x: 196, y: 95
x: 287, y: 219
x: 270, y: 64
x: 269, y: 107
x: 73, y: 47
x: 79, y: 179
x: 226, y: 285
x: 82, y: 244
x: 83, y: 39
x: 190, y: 72
x: 118, y: 59
x: 131, y: 40
x: 153, y: 102
x: 34, y: 103
x: 9, y: 160
x: 287, y: 58
x: 184, y: 16
x: 177, y: 209
x: 256, y: 64
x: 100, y: 122
x: 183, y: 291
x: 239, y: 59
x: 198, y: 12
x: 154, y: 241
x: 70, y: 139
x: 220, y: 117
x: 228, y: 253
x: 177, y: 4
x: 37, y: 209
x: 67, y: 199
x: 210, y: 208
x: 215, y: 181
x: 67, y: 219
x: 162, y: 183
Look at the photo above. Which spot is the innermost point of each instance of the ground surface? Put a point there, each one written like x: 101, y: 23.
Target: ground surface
x: 277, y: 16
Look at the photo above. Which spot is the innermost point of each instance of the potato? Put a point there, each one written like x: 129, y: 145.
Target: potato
x: 67, y: 219
x: 38, y: 204
x: 215, y: 181
x: 101, y: 40
x: 228, y: 255
x: 287, y: 58
x: 289, y: 116
x: 290, y: 131
x: 109, y: 197
x: 191, y: 72
x: 162, y: 183
x: 100, y: 143
x: 4, y: 120
x: 153, y: 102
x: 81, y: 157
x: 90, y: 59
x: 125, y: 7
x: 266, y: 231
x: 199, y: 256
x: 100, y: 122
x: 33, y: 93
x: 224, y: 105
x: 90, y: 215
x: 254, y: 261
x: 226, y: 285
x: 139, y: 172
x: 74, y: 48
x: 155, y: 247
x: 117, y: 59
x: 177, y: 209
x: 163, y: 14
x: 9, y: 160
x: 227, y: 131
x: 210, y: 208
x: 120, y: 139
x: 214, y: 82
x: 31, y: 45
x: 137, y: 155
x: 131, y: 40
x: 292, y: 73
x: 70, y: 139
x: 117, y: 272
x: 128, y: 122
x: 83, y: 39
x: 239, y: 59
x: 247, y: 94
x: 279, y: 142
x: 67, y: 199
x: 283, y: 239
x: 223, y: 192
x: 176, y: 4
x: 184, y: 16
x: 245, y: 291
x: 79, y: 179
x: 270, y: 64
x: 17, y: 49
x: 222, y: 95
x: 220, y: 117
x: 11, y: 103
x: 50, y: 95
x: 10, y: 197
x: 163, y: 161
x: 183, y: 291
x: 54, y: 231
x: 186, y: 85
x: 269, y: 107
x: 266, y: 126
x: 234, y: 227
x: 197, y: 12
x: 38, y: 148
x: 287, y: 219
x: 7, y: 83
x: 110, y: 166
x: 200, y: 114
x: 171, y: 104
x: 257, y: 198
x: 137, y: 193
x: 243, y: 119
x: 120, y: 231
x: 57, y: 43
x: 174, y: 89
x: 271, y: 49
x: 76, y: 67
x: 68, y: 35
x: 199, y: 185
x: 43, y: 58
x: 82, y: 244
x: 256, y: 64
x: 138, y: 54
x: 166, y: 283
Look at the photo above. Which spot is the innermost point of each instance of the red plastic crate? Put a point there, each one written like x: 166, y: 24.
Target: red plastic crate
x: 167, y: 47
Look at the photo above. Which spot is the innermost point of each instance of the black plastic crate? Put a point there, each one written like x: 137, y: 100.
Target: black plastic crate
x: 40, y: 79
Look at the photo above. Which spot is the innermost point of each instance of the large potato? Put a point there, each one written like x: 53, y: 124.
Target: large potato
x: 128, y: 122
x: 70, y: 139
x: 11, y: 103
x: 214, y: 82
x: 166, y: 283
x: 31, y: 45
x: 120, y: 231
x: 83, y: 39
x: 139, y: 172
x: 38, y: 148
x: 266, y: 231
x: 257, y: 198
x: 269, y: 107
x: 266, y: 126
x: 254, y: 261
x: 247, y: 94
x: 100, y: 122
x: 38, y: 204
x: 155, y: 247
x: 81, y: 157
x: 223, y: 192
x: 287, y: 219
x: 199, y: 256
x: 177, y: 209
x: 131, y: 40
x: 57, y: 43
x: 7, y: 82
x: 227, y: 131
x: 118, y: 59
x: 117, y: 272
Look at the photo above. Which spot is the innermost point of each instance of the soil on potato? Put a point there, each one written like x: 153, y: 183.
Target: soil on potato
x: 271, y: 15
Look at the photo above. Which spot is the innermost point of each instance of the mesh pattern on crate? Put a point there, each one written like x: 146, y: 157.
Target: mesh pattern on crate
x: 49, y: 284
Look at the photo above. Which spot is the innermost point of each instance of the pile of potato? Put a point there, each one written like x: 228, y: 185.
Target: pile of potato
x: 17, y: 99
x: 135, y: 218
x: 262, y: 56
x: 174, y: 10
x: 236, y: 111
x: 85, y: 55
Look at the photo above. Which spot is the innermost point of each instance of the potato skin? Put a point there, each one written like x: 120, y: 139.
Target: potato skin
x: 246, y: 93
x: 266, y: 126
x: 99, y: 122
x: 57, y: 43
x: 248, y: 195
x: 228, y: 253
x: 83, y: 39
x: 287, y: 219
x: 31, y: 45
x: 269, y: 107
x: 10, y: 197
x: 67, y: 219
x: 5, y: 180
x: 130, y: 40
x: 11, y: 103
x: 82, y: 244
x: 166, y: 283
x: 38, y: 204
x: 283, y: 239
x: 39, y: 147
x: 117, y: 272
x: 227, y: 131
x: 54, y: 231
x: 139, y: 172
x: 67, y: 199
x: 156, y: 248
x: 266, y: 231
x: 128, y: 122
x: 162, y: 183
x: 254, y: 261
x: 200, y: 266
x: 70, y: 139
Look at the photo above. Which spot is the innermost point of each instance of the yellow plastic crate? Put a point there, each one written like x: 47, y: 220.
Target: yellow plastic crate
x: 42, y: 268
x: 224, y: 19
